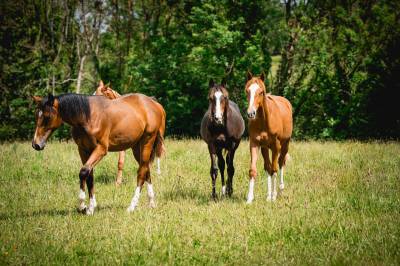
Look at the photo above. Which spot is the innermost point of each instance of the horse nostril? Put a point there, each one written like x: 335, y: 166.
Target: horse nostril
x: 36, y: 146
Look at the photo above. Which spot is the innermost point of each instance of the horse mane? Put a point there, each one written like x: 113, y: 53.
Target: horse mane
x: 72, y: 106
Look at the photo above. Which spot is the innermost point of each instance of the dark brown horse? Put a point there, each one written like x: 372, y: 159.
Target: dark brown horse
x: 100, y: 125
x: 222, y: 128
x: 270, y: 127
x: 111, y: 94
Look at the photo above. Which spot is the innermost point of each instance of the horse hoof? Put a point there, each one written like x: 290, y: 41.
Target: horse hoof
x: 130, y: 209
x: 281, y: 186
x: 249, y: 201
x: 152, y: 204
x: 269, y: 199
x: 82, y: 210
x: 274, y: 196
x: 118, y: 183
x: 89, y: 212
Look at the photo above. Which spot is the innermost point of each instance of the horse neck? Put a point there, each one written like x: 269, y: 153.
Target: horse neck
x: 65, y: 112
x: 266, y: 113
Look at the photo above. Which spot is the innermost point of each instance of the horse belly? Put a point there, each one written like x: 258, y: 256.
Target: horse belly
x: 125, y: 134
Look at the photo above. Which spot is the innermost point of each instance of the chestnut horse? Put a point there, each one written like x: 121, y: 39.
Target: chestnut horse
x: 100, y: 125
x: 111, y: 94
x: 222, y: 128
x: 270, y: 127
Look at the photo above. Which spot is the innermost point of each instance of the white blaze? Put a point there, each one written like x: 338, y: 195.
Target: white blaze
x: 253, y: 88
x: 218, y: 113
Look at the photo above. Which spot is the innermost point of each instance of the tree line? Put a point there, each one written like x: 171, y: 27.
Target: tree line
x: 336, y: 61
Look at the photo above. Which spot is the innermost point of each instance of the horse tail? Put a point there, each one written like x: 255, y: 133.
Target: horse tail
x: 158, y: 146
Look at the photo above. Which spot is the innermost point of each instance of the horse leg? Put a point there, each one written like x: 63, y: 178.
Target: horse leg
x: 268, y: 171
x: 143, y: 171
x: 252, y: 172
x: 221, y: 166
x: 213, y: 168
x: 82, y: 181
x: 150, y: 191
x: 231, y: 169
x: 158, y: 166
x: 282, y: 161
x: 92, y: 198
x: 121, y: 160
x: 87, y: 171
x: 275, y: 154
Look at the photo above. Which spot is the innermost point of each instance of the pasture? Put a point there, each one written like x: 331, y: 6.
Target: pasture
x: 341, y: 205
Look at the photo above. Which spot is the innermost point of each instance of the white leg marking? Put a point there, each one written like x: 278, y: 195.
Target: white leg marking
x: 82, y: 197
x: 281, y: 185
x: 250, y: 196
x: 150, y: 193
x: 135, y: 200
x: 269, y: 187
x: 223, y: 190
x: 218, y: 113
x: 92, y: 206
x: 158, y: 166
x: 274, y: 182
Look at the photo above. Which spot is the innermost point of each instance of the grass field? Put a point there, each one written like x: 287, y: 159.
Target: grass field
x: 341, y: 205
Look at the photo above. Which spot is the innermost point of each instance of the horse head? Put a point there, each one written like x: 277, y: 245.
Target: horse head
x: 106, y: 91
x: 219, y: 101
x: 255, y: 91
x: 47, y: 119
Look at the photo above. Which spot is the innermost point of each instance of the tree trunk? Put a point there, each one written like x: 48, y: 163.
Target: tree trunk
x: 80, y: 74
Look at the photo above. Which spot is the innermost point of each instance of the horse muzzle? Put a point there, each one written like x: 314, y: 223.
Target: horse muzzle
x: 39, y: 146
x: 251, y: 114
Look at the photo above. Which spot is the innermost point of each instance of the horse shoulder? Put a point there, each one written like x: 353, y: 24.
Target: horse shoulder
x: 235, y: 123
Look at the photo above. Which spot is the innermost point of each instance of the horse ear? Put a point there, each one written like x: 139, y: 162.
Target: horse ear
x: 223, y: 82
x: 50, y: 99
x: 262, y: 76
x: 211, y: 83
x: 37, y: 100
x: 101, y: 84
x: 249, y: 75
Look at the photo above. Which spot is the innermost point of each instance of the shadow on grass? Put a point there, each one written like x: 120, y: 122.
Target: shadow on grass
x: 104, y: 178
x: 45, y: 212
x: 55, y: 212
x: 179, y: 193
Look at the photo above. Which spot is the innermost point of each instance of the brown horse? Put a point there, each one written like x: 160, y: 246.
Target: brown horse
x: 111, y: 94
x: 270, y: 127
x: 222, y: 128
x: 100, y: 125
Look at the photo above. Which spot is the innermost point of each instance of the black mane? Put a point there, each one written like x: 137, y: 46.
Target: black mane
x: 72, y: 106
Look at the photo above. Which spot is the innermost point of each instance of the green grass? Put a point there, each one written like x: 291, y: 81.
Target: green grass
x: 341, y: 205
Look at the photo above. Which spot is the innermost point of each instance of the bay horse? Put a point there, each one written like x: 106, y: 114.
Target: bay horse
x: 222, y: 128
x: 100, y: 125
x: 107, y: 91
x: 270, y: 127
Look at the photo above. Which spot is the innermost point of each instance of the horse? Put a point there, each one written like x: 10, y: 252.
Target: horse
x: 111, y: 94
x: 270, y: 127
x: 100, y: 125
x: 222, y: 128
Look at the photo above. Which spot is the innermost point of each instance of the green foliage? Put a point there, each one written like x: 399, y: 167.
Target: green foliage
x: 336, y: 62
x: 341, y: 73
